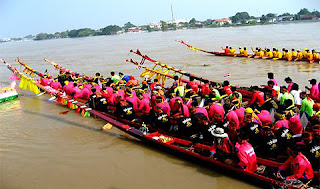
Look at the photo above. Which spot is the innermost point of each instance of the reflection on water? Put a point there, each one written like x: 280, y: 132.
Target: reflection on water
x: 37, y: 144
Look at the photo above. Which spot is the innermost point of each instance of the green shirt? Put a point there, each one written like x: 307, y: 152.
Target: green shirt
x: 307, y: 106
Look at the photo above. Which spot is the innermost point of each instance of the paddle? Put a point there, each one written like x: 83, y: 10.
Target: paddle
x: 41, y: 93
x: 265, y: 57
x: 256, y: 57
x: 107, y: 126
x: 65, y: 112
x: 275, y: 59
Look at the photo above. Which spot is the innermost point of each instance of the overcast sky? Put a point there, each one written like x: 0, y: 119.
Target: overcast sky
x: 22, y: 17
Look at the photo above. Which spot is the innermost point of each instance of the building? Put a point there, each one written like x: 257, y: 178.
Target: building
x: 155, y: 25
x: 222, y: 21
x: 134, y: 30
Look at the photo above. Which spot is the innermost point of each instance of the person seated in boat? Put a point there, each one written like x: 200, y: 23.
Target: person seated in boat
x: 159, y: 101
x: 216, y: 113
x: 226, y: 50
x: 124, y: 109
x: 297, y: 166
x: 269, y: 88
x: 307, y: 105
x: 144, y: 105
x: 255, y: 52
x: 294, y: 54
x: 289, y: 81
x: 268, y: 143
x: 222, y: 148
x: 160, y: 119
x: 299, y: 55
x: 130, y: 97
x: 214, y: 93
x: 68, y: 88
x: 195, y: 130
x: 311, y: 147
x: 133, y: 82
x: 205, y: 89
x: 45, y: 81
x: 257, y: 99
x: 315, y: 55
x: 268, y: 54
x: 309, y: 55
x: 241, y: 52
x: 189, y: 91
x: 154, y: 84
x: 227, y: 87
x: 314, y: 90
x: 124, y: 77
x: 269, y: 103
x: 296, y: 94
x: 284, y: 53
x: 115, y: 78
x: 288, y: 55
x: 260, y: 54
x: 274, y: 52
x: 232, y: 51
x: 233, y: 126
x: 279, y: 55
x: 179, y: 109
x: 196, y: 109
x: 56, y: 85
x: 283, y: 135
x: 194, y: 85
x: 246, y: 154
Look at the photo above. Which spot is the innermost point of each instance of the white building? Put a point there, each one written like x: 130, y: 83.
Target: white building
x: 222, y: 21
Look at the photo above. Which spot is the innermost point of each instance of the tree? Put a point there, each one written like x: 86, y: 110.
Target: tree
x: 285, y: 14
x: 41, y: 36
x: 110, y: 30
x: 192, y: 23
x: 73, y: 33
x: 164, y: 26
x: 263, y: 19
x: 240, y: 16
x: 271, y: 15
x: 64, y: 34
x: 208, y: 22
x: 304, y: 11
x: 128, y: 25
x: 172, y: 26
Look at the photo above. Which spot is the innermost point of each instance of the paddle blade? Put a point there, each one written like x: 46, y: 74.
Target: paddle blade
x: 107, y: 126
x: 52, y: 98
x: 65, y: 112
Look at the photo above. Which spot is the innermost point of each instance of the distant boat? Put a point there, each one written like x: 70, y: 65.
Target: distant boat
x: 8, y: 93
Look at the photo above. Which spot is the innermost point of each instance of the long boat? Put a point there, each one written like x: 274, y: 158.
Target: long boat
x: 229, y: 55
x: 184, y: 148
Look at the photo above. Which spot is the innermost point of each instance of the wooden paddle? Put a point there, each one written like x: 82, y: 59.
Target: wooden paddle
x: 265, y: 57
x: 275, y: 58
x: 65, y: 112
x: 256, y: 57
x: 107, y: 126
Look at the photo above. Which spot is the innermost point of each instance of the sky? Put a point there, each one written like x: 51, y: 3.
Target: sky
x: 23, y: 17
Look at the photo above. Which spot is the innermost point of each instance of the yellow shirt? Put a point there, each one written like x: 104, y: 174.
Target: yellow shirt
x: 315, y: 55
x: 289, y: 56
x: 310, y: 56
x: 279, y: 54
x: 299, y: 55
x: 294, y: 53
x: 245, y: 52
x: 269, y: 54
x: 241, y: 51
x: 261, y: 53
x: 232, y: 51
x: 274, y: 53
x: 283, y: 54
x: 304, y: 54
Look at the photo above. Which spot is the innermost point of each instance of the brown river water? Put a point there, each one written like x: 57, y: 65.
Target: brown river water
x: 40, y: 148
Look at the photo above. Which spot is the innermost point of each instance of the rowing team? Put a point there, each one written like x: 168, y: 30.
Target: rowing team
x: 266, y: 53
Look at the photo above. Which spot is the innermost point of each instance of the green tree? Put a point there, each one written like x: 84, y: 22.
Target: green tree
x: 271, y: 15
x: 164, y: 26
x: 285, y: 14
x: 240, y: 16
x: 208, y: 22
x: 172, y: 26
x: 73, y: 33
x: 64, y: 34
x: 192, y: 23
x: 85, y: 32
x: 128, y: 25
x: 263, y: 19
x: 41, y: 36
x: 304, y: 11
x: 110, y: 30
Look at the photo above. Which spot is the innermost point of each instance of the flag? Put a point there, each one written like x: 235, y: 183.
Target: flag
x: 226, y: 76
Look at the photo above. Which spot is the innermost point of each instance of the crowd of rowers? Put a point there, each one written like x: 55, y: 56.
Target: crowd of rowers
x: 269, y: 124
x: 306, y: 54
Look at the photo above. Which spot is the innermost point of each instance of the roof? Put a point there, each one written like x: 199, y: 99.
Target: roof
x: 223, y: 20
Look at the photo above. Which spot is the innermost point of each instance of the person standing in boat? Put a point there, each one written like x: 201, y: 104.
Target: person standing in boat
x: 115, y: 78
x: 299, y: 166
x: 271, y: 78
x: 246, y: 154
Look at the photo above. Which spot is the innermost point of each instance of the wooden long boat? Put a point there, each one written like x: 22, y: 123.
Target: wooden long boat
x: 184, y: 148
x: 249, y: 55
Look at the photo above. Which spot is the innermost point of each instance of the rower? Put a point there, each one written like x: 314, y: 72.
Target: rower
x: 246, y: 154
x: 288, y: 55
x: 232, y: 51
x: 205, y: 88
x: 124, y: 109
x: 314, y: 90
x: 312, y: 147
x: 226, y: 50
x: 274, y: 52
x: 299, y: 55
x: 257, y: 98
x: 304, y: 53
x: 315, y: 55
x: 294, y: 54
x: 144, y: 105
x: 124, y: 77
x: 241, y: 52
x: 283, y: 135
x: 289, y: 81
x: 268, y: 143
x: 269, y: 54
x: 222, y: 148
x: 284, y: 53
x: 193, y: 84
x: 279, y: 54
x: 227, y: 87
x: 115, y: 78
x: 255, y: 52
x: 307, y: 105
x: 216, y: 113
x: 233, y: 126
x: 298, y: 165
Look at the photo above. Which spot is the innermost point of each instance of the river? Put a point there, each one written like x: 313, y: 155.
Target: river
x: 40, y: 148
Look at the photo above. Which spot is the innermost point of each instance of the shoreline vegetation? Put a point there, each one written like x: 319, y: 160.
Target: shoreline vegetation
x: 239, y: 19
